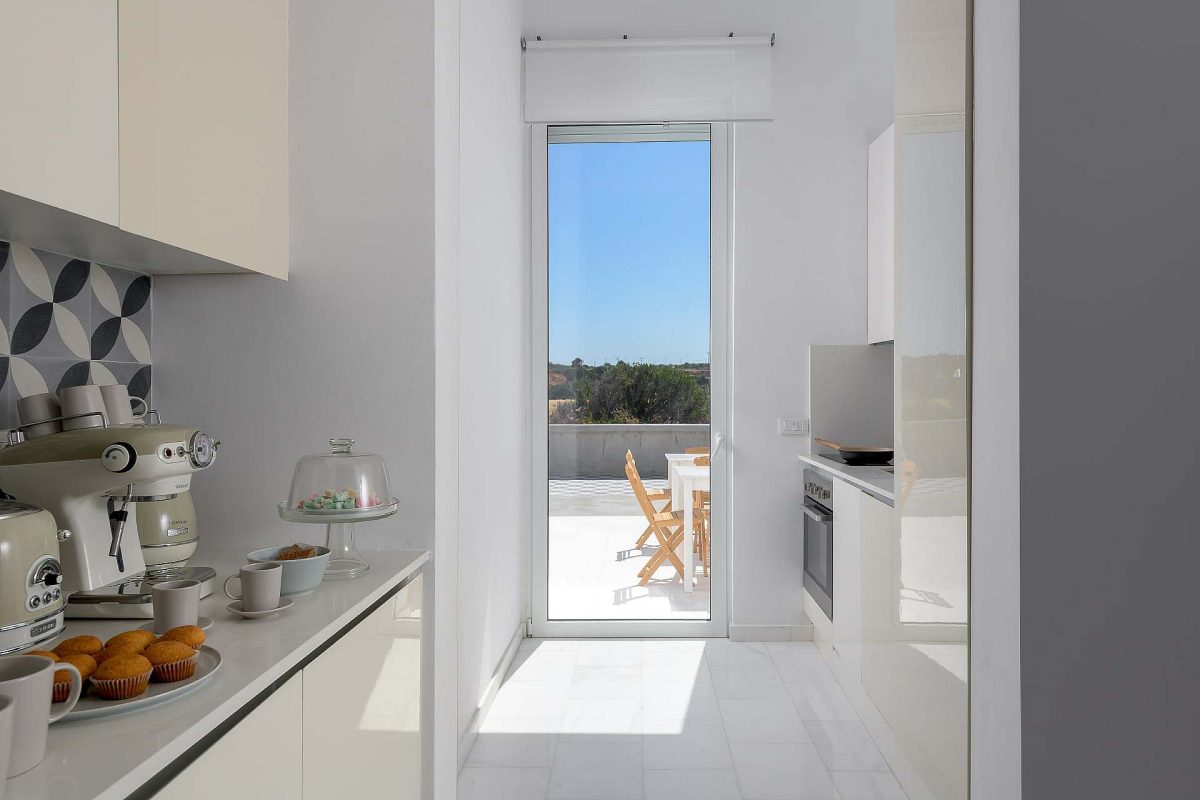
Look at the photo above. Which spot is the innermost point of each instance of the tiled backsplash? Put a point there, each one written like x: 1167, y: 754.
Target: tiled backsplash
x: 66, y: 322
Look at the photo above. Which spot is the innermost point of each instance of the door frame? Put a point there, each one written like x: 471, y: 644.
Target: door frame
x: 721, y: 407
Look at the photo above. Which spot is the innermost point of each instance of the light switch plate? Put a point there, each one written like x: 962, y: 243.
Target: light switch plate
x: 793, y: 426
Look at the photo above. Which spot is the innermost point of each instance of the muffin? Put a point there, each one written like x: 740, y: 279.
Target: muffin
x: 79, y: 644
x: 122, y: 648
x: 191, y: 635
x: 62, y: 678
x: 122, y: 677
x: 44, y: 654
x: 140, y: 637
x: 172, y: 660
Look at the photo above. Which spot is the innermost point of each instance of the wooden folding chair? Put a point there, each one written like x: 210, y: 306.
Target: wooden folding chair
x: 701, y: 516
x: 665, y: 526
x: 696, y: 451
x: 655, y: 497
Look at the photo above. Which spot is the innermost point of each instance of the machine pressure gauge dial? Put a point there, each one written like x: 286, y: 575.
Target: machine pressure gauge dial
x: 201, y: 449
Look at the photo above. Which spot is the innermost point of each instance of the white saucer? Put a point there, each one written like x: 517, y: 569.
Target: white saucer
x: 236, y: 608
x: 203, y: 623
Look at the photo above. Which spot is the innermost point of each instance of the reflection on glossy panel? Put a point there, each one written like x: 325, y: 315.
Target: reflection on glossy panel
x: 915, y: 564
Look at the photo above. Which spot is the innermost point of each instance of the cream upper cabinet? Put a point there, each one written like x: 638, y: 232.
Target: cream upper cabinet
x: 881, y: 237
x: 58, y: 70
x: 204, y: 128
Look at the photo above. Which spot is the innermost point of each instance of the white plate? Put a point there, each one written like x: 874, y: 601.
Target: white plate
x: 204, y: 623
x: 236, y: 608
x: 92, y: 707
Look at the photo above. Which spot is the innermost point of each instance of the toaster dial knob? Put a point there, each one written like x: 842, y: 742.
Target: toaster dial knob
x: 118, y: 457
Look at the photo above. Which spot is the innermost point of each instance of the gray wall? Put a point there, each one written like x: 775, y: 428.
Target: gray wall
x: 1110, y: 373
x: 598, y: 451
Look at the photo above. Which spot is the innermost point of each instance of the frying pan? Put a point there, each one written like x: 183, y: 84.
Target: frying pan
x: 859, y: 456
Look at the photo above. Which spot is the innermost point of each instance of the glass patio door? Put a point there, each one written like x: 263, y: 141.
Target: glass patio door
x: 630, y: 309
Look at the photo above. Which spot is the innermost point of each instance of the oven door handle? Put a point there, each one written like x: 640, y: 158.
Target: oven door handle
x: 810, y: 510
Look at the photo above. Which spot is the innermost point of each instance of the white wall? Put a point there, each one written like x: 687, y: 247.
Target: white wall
x: 345, y: 348
x: 493, y: 299
x: 800, y: 239
x: 996, y: 416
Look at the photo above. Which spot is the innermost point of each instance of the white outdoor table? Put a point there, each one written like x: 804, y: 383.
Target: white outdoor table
x: 685, y: 478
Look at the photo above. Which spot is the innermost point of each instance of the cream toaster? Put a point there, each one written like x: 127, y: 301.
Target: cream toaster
x: 31, y: 596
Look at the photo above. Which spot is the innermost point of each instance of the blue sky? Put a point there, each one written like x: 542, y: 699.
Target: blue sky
x: 628, y: 249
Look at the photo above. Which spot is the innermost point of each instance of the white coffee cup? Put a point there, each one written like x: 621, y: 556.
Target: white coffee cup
x: 6, y: 723
x: 118, y: 405
x: 27, y: 681
x: 260, y: 586
x: 78, y: 400
x: 36, y: 410
x: 175, y: 603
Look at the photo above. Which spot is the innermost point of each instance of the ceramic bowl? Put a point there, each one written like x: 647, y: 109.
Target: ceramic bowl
x: 300, y: 575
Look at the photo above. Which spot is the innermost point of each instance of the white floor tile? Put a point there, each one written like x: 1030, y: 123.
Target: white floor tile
x: 747, y: 683
x: 769, y: 721
x: 726, y: 653
x: 658, y: 667
x: 612, y: 682
x: 800, y: 662
x: 601, y: 719
x: 610, y: 653
x: 597, y: 771
x: 868, y: 786
x: 654, y: 646
x: 696, y: 744
x: 782, y: 772
x: 540, y: 699
x: 824, y: 701
x: 513, y: 750
x: 495, y: 724
x: 709, y: 784
x: 551, y: 645
x: 542, y: 665
x: 502, y: 784
x: 846, y: 746
x: 679, y: 701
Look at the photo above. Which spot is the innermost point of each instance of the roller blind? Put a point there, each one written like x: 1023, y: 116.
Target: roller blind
x: 641, y: 80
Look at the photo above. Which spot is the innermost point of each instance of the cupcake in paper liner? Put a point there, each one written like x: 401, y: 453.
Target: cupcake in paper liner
x: 171, y: 660
x: 122, y: 677
x: 62, y: 678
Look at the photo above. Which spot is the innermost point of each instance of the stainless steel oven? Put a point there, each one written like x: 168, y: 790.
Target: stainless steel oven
x: 818, y: 539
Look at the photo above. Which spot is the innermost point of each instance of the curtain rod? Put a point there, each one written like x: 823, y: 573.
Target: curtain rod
x: 625, y: 41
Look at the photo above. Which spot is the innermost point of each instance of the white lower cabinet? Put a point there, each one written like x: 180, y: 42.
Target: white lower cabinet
x: 362, y: 707
x: 348, y: 724
x: 261, y: 757
x: 846, y: 638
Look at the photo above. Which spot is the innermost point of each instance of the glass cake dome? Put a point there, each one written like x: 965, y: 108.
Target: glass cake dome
x: 337, y: 489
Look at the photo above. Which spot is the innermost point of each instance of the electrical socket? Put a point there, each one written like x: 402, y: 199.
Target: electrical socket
x: 793, y: 426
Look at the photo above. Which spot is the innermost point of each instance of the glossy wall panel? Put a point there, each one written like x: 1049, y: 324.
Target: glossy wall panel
x: 915, y: 587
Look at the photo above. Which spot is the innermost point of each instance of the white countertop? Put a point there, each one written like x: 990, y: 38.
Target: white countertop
x: 107, y: 759
x: 870, y: 479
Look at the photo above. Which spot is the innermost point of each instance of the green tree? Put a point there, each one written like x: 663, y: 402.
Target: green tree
x: 640, y: 393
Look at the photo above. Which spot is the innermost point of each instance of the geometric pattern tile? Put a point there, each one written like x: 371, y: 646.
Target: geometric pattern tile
x: 68, y: 322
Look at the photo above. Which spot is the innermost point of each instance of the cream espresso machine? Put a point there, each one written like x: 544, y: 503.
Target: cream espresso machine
x: 95, y: 482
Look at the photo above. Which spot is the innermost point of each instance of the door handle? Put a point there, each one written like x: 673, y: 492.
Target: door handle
x: 718, y: 442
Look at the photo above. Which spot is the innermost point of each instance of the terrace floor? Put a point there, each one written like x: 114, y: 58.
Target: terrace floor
x: 593, y: 566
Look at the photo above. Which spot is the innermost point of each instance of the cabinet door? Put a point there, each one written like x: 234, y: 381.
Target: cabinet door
x: 204, y: 128
x: 362, y: 707
x: 847, y: 608
x: 58, y: 77
x: 260, y: 757
x: 881, y: 221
